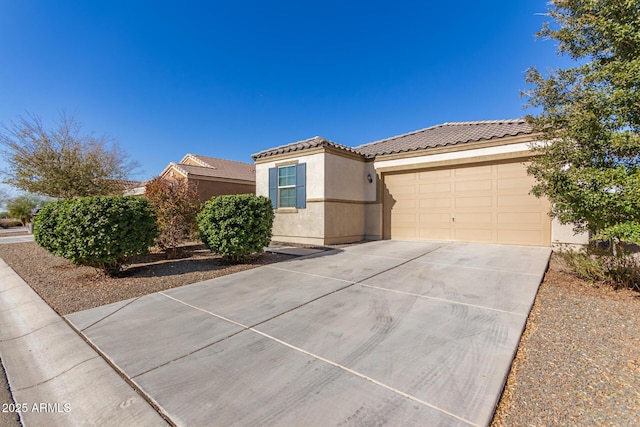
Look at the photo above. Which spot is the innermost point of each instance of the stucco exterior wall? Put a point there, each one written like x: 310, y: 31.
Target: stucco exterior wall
x: 346, y: 179
x: 348, y: 193
x: 315, y: 174
x: 306, y: 225
x: 300, y: 225
x: 563, y: 234
x: 373, y: 221
x: 344, y: 222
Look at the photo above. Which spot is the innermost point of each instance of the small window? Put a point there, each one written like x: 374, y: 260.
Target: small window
x: 287, y: 186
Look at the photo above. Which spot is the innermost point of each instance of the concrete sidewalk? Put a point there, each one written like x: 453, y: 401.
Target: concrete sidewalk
x: 7, y: 239
x: 56, y: 378
x: 402, y: 333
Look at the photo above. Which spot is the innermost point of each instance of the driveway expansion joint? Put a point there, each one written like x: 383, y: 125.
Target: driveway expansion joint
x: 315, y: 356
x: 358, y: 374
x: 110, y: 314
x: 479, y: 268
x: 307, y: 274
x: 443, y: 300
x: 138, y: 390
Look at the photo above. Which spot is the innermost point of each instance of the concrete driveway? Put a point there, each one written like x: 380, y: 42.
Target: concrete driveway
x: 388, y: 332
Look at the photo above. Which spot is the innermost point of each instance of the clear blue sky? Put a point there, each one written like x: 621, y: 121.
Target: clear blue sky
x: 228, y: 79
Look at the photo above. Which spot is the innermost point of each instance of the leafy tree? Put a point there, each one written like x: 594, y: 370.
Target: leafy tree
x: 23, y: 207
x: 62, y: 162
x: 589, y: 122
x: 176, y: 205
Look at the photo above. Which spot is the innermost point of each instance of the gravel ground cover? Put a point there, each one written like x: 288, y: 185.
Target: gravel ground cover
x: 68, y: 288
x: 577, y: 364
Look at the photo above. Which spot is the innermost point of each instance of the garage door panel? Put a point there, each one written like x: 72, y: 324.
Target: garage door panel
x: 400, y: 179
x: 404, y: 233
x: 523, y: 200
x: 405, y: 204
x: 490, y: 203
x: 435, y: 203
x: 475, y: 185
x: 434, y: 219
x: 433, y: 175
x: 473, y: 235
x: 514, y: 169
x: 472, y: 202
x: 508, y: 185
x: 474, y: 171
x: 406, y: 220
x: 403, y: 189
x: 432, y: 234
x: 435, y: 187
x: 533, y: 218
x: 532, y: 237
x: 473, y: 218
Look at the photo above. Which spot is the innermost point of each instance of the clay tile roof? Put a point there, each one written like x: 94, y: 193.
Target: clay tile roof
x: 446, y: 134
x: 128, y: 184
x: 219, y: 168
x: 302, y: 145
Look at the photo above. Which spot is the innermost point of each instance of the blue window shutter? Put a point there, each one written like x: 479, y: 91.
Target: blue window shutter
x: 273, y: 187
x: 301, y: 185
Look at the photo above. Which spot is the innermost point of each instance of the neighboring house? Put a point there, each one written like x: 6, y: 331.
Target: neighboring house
x: 133, y: 188
x: 464, y: 181
x: 212, y: 176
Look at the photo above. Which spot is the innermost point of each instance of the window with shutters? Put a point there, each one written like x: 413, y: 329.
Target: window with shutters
x: 287, y: 186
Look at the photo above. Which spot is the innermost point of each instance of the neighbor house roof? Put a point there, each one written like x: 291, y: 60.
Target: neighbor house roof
x: 314, y: 142
x: 450, y: 133
x: 446, y: 134
x: 214, y: 168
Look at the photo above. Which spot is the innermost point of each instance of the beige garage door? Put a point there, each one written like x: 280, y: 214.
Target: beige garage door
x: 485, y: 203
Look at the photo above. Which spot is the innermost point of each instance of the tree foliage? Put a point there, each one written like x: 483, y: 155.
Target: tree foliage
x: 589, y: 122
x: 62, y: 162
x: 101, y: 232
x: 176, y: 205
x: 23, y: 207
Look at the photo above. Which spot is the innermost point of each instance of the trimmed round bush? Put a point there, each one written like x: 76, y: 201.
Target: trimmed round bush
x: 100, y: 232
x: 236, y: 226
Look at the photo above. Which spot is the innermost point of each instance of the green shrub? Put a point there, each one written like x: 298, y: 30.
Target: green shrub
x: 100, y: 232
x: 620, y: 269
x: 10, y: 222
x: 236, y: 226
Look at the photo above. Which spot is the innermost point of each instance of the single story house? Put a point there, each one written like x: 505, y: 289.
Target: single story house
x: 462, y: 181
x: 212, y: 176
x: 133, y: 188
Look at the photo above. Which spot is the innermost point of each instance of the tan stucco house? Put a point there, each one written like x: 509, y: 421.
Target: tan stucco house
x: 462, y: 181
x: 212, y: 176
